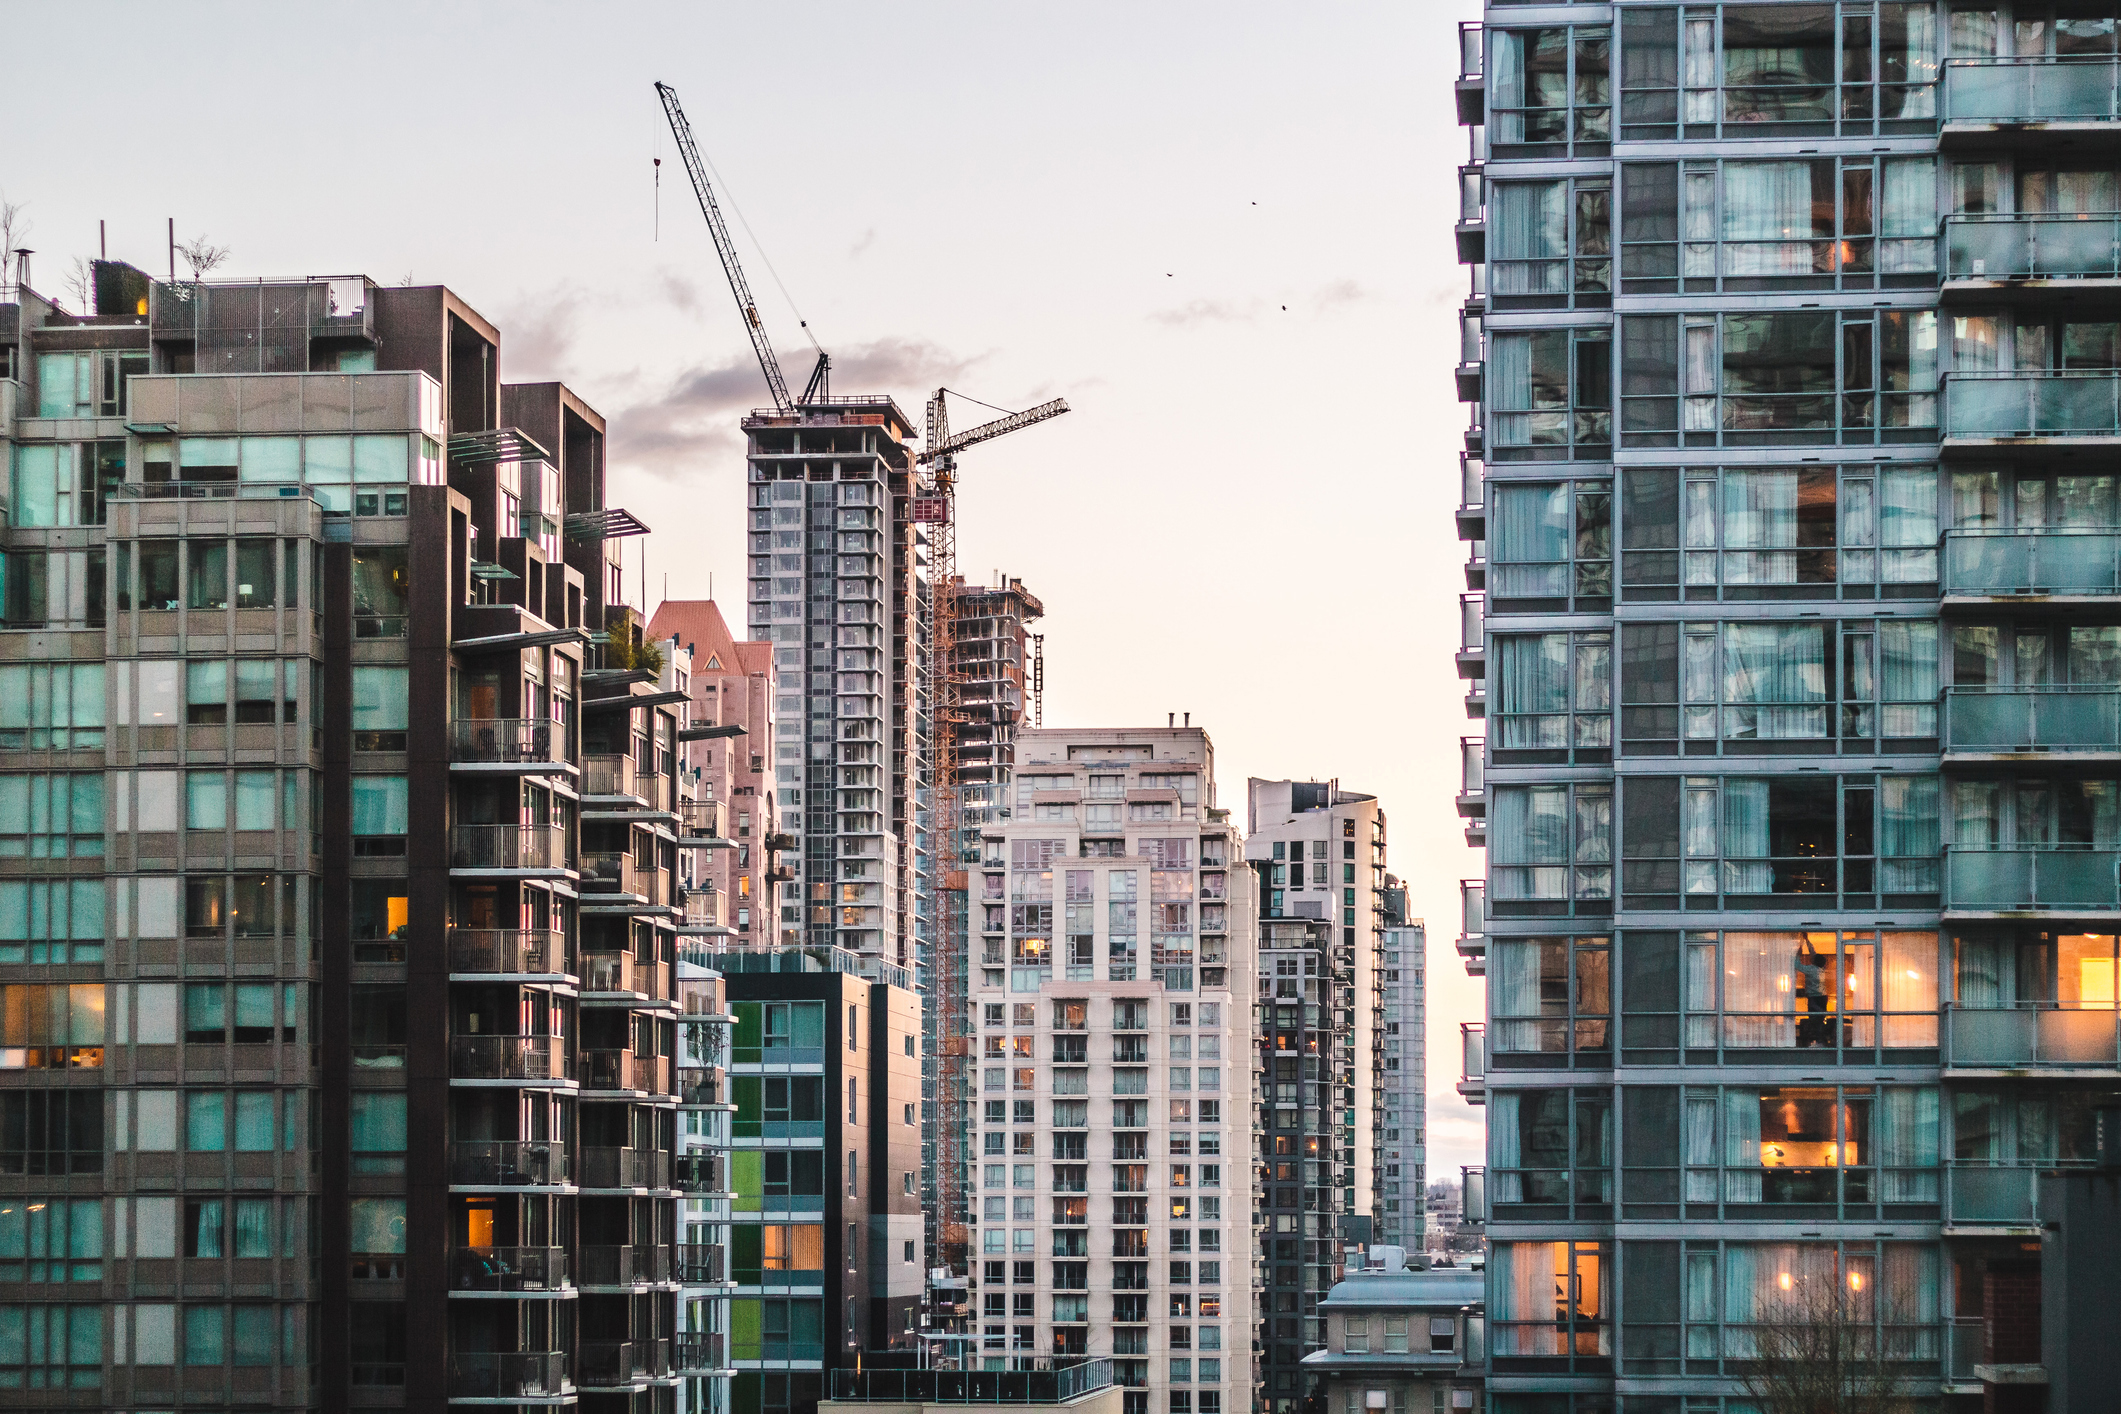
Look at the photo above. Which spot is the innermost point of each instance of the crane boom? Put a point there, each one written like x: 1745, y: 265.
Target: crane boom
x: 724, y: 247
x: 949, y: 442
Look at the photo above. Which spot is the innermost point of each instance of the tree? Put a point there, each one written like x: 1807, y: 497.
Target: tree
x: 80, y: 283
x: 1816, y: 1352
x: 14, y: 230
x: 202, y: 256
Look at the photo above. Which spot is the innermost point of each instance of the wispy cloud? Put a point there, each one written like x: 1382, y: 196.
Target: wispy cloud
x: 539, y: 333
x: 862, y: 243
x: 694, y: 422
x: 1194, y: 313
x: 1338, y: 293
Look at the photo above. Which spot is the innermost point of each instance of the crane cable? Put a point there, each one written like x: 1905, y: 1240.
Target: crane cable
x: 757, y: 245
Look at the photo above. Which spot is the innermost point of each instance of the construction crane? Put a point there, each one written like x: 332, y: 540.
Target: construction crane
x: 820, y: 385
x: 936, y: 505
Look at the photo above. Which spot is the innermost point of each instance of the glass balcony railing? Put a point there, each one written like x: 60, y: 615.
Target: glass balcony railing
x: 508, y: 951
x: 2060, y: 720
x: 2020, y: 878
x: 2032, y: 561
x: 1996, y: 1194
x: 1475, y: 1191
x: 2032, y: 246
x: 1964, y: 1337
x: 2029, y: 404
x: 2035, y: 88
x: 507, y: 1163
x: 507, y: 1374
x: 2021, y: 1037
x: 1473, y: 1073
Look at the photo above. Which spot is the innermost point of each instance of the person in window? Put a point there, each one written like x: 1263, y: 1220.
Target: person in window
x: 1813, y: 1029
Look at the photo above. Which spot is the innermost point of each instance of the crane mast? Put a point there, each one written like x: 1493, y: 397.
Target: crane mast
x: 726, y: 248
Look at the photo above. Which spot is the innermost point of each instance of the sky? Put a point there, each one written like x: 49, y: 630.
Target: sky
x: 1221, y: 231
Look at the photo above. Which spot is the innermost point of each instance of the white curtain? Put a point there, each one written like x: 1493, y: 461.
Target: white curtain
x: 1745, y: 836
x: 1532, y: 690
x: 1528, y: 545
x: 1529, y: 225
x: 1774, y: 681
x: 1741, y: 1146
x: 1984, y: 978
x: 1513, y: 983
x: 1767, y: 217
x: 1700, y: 1147
x: 1760, y: 522
x: 1504, y: 1153
x: 1906, y: 1142
x: 1759, y: 989
x: 1908, y: 1301
x: 1525, y: 1287
x: 1907, y: 654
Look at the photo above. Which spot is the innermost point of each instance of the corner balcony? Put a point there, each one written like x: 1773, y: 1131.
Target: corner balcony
x: 1472, y: 79
x: 1472, y: 499
x: 508, y: 954
x: 509, y: 1271
x: 2032, y: 258
x: 1473, y: 927
x: 1473, y: 1188
x: 508, y: 746
x: 620, y: 978
x: 1982, y: 567
x: 702, y: 1264
x: 1995, y: 1199
x: 2034, y: 1038
x: 625, y: 1364
x: 613, y: 780
x: 704, y: 913
x: 703, y: 1173
x: 1473, y: 1075
x: 1472, y: 356
x: 2030, y: 414
x: 700, y: 825
x: 1472, y: 788
x: 508, y: 852
x: 619, y: 1074
x: 2013, y: 880
x: 2032, y: 101
x: 614, y: 882
x: 509, y: 1376
x: 622, y: 1269
x: 624, y: 1170
x: 701, y: 1353
x: 508, y: 1164
x: 2020, y: 725
x: 1472, y: 228
x: 509, y: 1060
x: 1472, y: 636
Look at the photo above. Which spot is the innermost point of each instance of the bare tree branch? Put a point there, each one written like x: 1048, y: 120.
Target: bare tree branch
x: 80, y: 284
x: 1815, y: 1351
x: 202, y: 256
x: 14, y: 230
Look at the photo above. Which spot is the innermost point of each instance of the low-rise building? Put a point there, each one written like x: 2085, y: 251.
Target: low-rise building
x: 1404, y: 1340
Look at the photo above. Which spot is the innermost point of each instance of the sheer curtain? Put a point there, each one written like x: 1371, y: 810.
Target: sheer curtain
x: 1700, y: 1142
x: 1741, y: 1146
x: 1507, y: 56
x: 1745, y: 836
x: 1759, y: 989
x: 1774, y: 681
x: 1907, y: 1145
x: 1909, y: 992
x: 1524, y: 1287
x: 1767, y: 217
x: 1701, y: 1304
x: 1908, y: 1302
x: 1907, y: 524
x: 1532, y: 690
x: 1908, y: 833
x: 1983, y: 978
x: 1504, y: 1152
x: 1528, y: 548
x: 1760, y: 520
x: 1514, y: 986
x: 1510, y: 387
x: 1529, y: 225
x: 1701, y: 994
x: 1907, y: 654
x: 1740, y: 1261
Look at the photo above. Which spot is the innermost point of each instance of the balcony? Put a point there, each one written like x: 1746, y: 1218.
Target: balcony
x: 700, y: 825
x: 508, y: 850
x: 1473, y: 1076
x: 2031, y: 879
x: 610, y: 778
x: 2011, y: 100
x: 1472, y: 232
x: 614, y: 880
x: 700, y: 1086
x: 620, y: 976
x: 1472, y: 789
x: 699, y: 1353
x: 1472, y: 636
x: 621, y: 1072
x: 1472, y: 352
x: 1477, y: 700
x: 1472, y: 499
x: 522, y: 746
x: 2015, y: 564
x: 517, y: 1271
x: 1987, y: 414
x: 508, y: 1374
x: 2031, y: 1037
x: 1475, y: 1193
x: 1472, y: 82
x: 622, y: 1268
x: 2012, y: 723
x: 2030, y: 254
x: 1035, y: 1381
x: 702, y: 1263
x: 1473, y: 926
x: 508, y: 1163
x: 508, y: 1060
x: 1964, y: 1337
x: 705, y: 913
x: 624, y: 1169
x: 507, y: 952
x: 1979, y: 1197
x: 618, y: 1364
x: 702, y: 1172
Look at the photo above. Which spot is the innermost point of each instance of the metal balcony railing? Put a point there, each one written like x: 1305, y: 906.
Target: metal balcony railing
x: 2031, y: 1036
x: 509, y: 1058
x: 698, y: 1352
x: 2021, y: 878
x: 704, y: 908
x: 702, y: 1263
x: 610, y: 1364
x: 507, y: 847
x: 1035, y: 1380
x: 1472, y: 786
x: 1964, y: 1339
x: 507, y: 1374
x: 2037, y: 88
x: 2059, y: 720
x: 701, y: 1173
x: 506, y: 741
x: 1473, y: 1073
x: 616, y: 972
x: 508, y: 951
x: 624, y: 1168
x: 616, y: 774
x: 702, y: 1085
x: 2028, y: 561
x: 616, y: 871
x: 2028, y: 404
x: 700, y: 819
x: 508, y: 1269
x: 609, y: 1070
x: 508, y: 1163
x: 638, y: 1265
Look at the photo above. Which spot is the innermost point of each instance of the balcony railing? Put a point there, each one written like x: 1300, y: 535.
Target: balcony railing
x: 1473, y: 1073
x: 702, y: 1085
x: 2022, y: 1037
x: 2029, y: 719
x: 2032, y: 246
x: 640, y: 1265
x: 509, y: 1058
x: 701, y: 1173
x: 704, y: 908
x: 507, y: 847
x: 614, y: 774
x: 2020, y: 878
x: 508, y: 1269
x: 508, y: 951
x: 617, y: 872
x: 1995, y: 1194
x: 2036, y: 88
x: 702, y: 1263
x: 700, y: 819
x: 617, y: 972
x: 1472, y: 779
x: 610, y: 1364
x: 1475, y: 1193
x: 700, y: 997
x: 508, y: 1163
x: 624, y: 1070
x: 625, y: 1168
x: 2003, y: 405
x: 508, y: 1374
x: 1036, y: 1381
x: 2032, y: 562
x: 505, y: 741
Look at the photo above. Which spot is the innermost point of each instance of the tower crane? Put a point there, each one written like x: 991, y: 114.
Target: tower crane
x: 936, y: 504
x: 820, y: 385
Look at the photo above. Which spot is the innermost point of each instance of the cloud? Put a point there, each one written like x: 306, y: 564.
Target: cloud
x: 1204, y: 311
x: 695, y: 422
x: 679, y: 290
x: 867, y: 239
x: 538, y: 335
x: 1338, y: 293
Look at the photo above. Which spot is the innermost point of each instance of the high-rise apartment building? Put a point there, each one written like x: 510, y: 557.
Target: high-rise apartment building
x: 839, y: 588
x: 344, y: 904
x: 1404, y: 992
x: 1113, y: 995
x: 1792, y: 342
x: 729, y: 756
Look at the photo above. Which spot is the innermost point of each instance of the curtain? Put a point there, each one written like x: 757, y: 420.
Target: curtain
x: 1701, y: 1304
x: 1701, y: 993
x: 1758, y: 982
x: 1760, y: 515
x: 1772, y: 674
x: 1977, y: 813
x: 1908, y: 520
x: 1506, y: 53
x: 1700, y: 1146
x: 1983, y: 977
x: 1529, y: 225
x: 1908, y: 1302
x: 254, y: 1226
x: 1977, y: 500
x: 202, y: 1335
x: 1513, y: 972
x: 1504, y: 1153
x: 1908, y: 833
x: 1977, y: 343
x: 1768, y: 216
x: 1524, y: 1286
x: 1745, y: 836
x: 1907, y: 1145
x: 2084, y: 502
x: 2095, y: 655
x: 1907, y: 652
x: 207, y: 1237
x: 1909, y: 992
x: 1740, y: 1259
x: 1528, y: 547
x: 1741, y: 1145
x: 254, y: 1121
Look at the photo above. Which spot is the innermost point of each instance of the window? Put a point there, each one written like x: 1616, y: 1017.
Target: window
x: 380, y: 708
x: 1553, y: 698
x: 1552, y: 845
x: 1550, y: 546
x: 1888, y: 1289
x: 377, y: 1121
x: 51, y: 816
x: 379, y: 815
x: 51, y: 920
x: 1550, y: 395
x: 381, y: 595
x: 51, y: 1347
x: 51, y: 1132
x: 1550, y: 244
x: 51, y: 1239
x: 1550, y: 1300
x: 1551, y: 91
x: 51, y: 706
x: 1811, y: 990
x: 1552, y: 996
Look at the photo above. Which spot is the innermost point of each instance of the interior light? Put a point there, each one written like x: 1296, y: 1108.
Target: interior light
x: 1783, y: 1281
